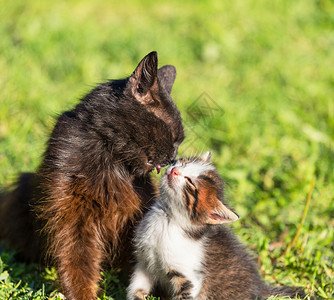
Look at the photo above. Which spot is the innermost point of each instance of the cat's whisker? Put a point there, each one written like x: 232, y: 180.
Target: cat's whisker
x: 138, y: 148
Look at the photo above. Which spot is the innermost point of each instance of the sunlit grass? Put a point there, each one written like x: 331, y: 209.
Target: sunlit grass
x: 265, y: 69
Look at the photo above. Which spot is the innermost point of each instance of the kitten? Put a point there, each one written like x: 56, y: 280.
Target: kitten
x: 94, y: 183
x: 182, y: 248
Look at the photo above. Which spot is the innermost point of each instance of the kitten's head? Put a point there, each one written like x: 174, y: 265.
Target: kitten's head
x: 195, y: 190
x: 140, y: 123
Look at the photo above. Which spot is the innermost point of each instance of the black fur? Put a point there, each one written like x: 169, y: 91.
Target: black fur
x: 93, y: 183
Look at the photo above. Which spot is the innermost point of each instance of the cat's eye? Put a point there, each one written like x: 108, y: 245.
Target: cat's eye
x: 188, y: 179
x: 140, y: 89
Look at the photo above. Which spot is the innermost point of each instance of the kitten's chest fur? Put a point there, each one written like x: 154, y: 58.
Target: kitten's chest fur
x: 167, y: 247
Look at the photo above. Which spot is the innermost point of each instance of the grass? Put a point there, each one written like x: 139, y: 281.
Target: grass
x: 255, y: 84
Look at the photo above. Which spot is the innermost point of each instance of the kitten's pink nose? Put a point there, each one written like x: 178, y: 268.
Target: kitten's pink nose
x: 175, y: 172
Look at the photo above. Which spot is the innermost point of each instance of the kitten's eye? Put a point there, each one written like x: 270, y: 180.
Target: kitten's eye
x: 189, y: 180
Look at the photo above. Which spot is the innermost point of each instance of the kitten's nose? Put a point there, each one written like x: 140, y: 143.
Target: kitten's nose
x: 175, y: 171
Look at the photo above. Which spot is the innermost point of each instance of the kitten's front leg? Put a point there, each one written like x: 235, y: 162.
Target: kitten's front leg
x: 183, y: 287
x: 140, y: 285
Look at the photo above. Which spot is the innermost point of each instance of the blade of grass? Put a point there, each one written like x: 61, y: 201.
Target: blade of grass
x: 300, y: 226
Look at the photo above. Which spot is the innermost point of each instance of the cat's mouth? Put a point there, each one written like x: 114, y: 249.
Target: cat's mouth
x: 152, y: 166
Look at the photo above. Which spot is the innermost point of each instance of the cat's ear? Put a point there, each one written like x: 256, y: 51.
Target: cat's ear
x: 144, y: 78
x: 221, y: 214
x: 206, y: 156
x: 166, y: 75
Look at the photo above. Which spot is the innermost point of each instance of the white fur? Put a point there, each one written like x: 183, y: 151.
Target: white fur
x: 162, y: 246
x: 140, y: 280
x: 173, y: 189
x: 192, y: 169
x: 161, y: 241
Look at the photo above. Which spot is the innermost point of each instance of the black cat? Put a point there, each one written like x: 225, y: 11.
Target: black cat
x: 93, y: 183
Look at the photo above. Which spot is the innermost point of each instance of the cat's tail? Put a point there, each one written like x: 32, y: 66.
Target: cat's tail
x: 17, y: 224
x: 285, y: 291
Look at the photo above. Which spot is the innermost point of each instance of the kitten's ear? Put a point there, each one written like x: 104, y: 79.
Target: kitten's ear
x: 144, y: 78
x: 166, y: 75
x: 206, y: 156
x: 221, y: 214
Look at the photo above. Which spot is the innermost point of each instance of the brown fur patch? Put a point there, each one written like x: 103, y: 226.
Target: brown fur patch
x: 78, y: 222
x: 181, y: 284
x: 202, y: 197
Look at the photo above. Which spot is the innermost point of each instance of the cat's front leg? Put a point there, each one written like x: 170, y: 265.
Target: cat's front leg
x: 78, y: 251
x: 140, y: 285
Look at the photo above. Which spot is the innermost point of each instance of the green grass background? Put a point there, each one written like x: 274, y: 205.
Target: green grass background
x: 266, y: 65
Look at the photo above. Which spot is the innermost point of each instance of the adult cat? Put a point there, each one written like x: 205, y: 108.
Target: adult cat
x: 93, y: 183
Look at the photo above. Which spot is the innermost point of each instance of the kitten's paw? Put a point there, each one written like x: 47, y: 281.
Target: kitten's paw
x: 140, y: 295
x: 184, y: 296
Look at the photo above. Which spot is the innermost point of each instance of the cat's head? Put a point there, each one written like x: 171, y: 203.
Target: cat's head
x: 196, y: 192
x: 151, y: 87
x: 148, y: 129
